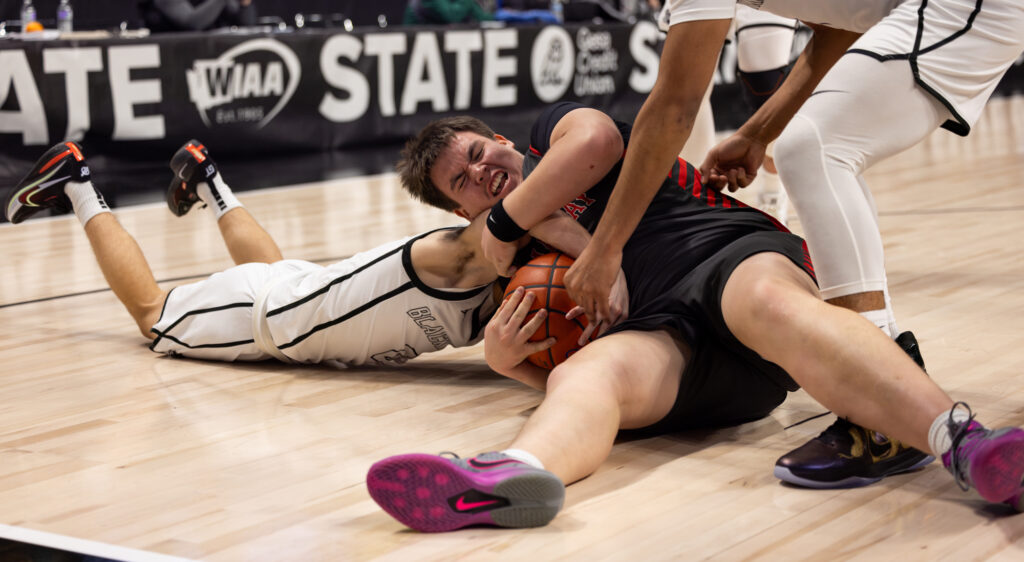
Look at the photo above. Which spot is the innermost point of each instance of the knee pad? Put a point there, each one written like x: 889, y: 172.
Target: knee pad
x: 759, y: 86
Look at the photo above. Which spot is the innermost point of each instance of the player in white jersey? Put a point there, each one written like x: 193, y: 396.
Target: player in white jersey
x: 380, y: 307
x: 914, y: 65
x: 764, y: 42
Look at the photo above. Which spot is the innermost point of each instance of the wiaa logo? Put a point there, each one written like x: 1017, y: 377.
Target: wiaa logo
x: 238, y: 86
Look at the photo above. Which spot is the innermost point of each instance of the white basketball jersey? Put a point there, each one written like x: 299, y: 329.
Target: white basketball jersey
x: 958, y: 50
x: 852, y: 15
x: 370, y: 309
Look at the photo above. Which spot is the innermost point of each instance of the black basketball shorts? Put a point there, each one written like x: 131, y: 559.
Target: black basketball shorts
x: 725, y: 382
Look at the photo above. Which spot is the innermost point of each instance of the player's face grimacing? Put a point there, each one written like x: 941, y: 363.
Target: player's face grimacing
x: 476, y: 172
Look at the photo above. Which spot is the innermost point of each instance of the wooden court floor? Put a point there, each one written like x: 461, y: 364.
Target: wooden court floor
x: 104, y: 441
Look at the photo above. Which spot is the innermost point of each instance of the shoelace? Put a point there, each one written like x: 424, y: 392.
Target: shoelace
x: 838, y: 430
x: 959, y: 449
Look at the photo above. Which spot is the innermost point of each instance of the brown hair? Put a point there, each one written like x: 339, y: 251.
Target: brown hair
x: 421, y: 152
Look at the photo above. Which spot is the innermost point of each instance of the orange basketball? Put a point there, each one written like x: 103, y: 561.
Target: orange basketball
x: 543, y: 277
x: 33, y: 26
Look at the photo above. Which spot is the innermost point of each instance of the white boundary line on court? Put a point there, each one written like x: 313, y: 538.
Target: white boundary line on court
x: 82, y: 546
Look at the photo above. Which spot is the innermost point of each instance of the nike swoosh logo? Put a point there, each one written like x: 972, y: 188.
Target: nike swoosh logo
x: 462, y: 505
x: 25, y: 194
x: 828, y: 92
x: 28, y: 198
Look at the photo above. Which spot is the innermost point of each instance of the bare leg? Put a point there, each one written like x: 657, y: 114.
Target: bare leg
x: 837, y: 356
x: 246, y: 240
x: 860, y: 302
x: 126, y: 270
x: 626, y: 380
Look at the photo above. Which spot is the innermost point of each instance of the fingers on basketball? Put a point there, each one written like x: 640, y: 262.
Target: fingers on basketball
x: 544, y: 277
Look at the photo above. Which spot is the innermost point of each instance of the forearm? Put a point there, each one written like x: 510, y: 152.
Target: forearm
x: 566, y: 175
x: 653, y: 149
x: 820, y: 54
x: 560, y: 231
x: 585, y: 146
x: 662, y: 126
x: 528, y: 374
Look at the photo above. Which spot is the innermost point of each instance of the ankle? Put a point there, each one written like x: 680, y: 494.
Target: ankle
x: 86, y: 201
x: 940, y: 437
x: 217, y: 196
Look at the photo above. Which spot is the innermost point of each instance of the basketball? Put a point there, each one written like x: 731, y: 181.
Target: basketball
x: 33, y: 26
x: 543, y: 276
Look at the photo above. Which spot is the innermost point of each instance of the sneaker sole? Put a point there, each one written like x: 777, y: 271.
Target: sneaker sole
x: 784, y: 474
x: 415, y: 489
x: 997, y: 469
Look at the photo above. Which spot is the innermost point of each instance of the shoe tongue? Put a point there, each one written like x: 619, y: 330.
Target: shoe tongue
x: 839, y: 427
x: 838, y: 431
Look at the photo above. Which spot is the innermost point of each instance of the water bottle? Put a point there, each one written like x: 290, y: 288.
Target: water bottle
x: 28, y: 14
x: 65, y: 16
x: 558, y: 10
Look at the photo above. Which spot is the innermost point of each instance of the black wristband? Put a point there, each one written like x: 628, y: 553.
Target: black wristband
x: 502, y: 226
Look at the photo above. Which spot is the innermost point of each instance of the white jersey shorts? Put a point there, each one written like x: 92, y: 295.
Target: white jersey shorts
x: 212, y: 319
x: 957, y: 49
x: 370, y: 309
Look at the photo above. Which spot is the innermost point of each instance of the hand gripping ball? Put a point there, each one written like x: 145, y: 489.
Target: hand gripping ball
x: 543, y: 276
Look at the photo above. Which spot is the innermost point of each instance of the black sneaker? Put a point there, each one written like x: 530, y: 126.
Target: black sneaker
x: 43, y: 187
x: 847, y: 455
x: 191, y: 164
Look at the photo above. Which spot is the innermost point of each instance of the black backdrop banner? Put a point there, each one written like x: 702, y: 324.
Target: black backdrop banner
x: 322, y: 99
x: 264, y: 92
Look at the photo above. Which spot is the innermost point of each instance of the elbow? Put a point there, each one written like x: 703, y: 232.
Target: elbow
x: 605, y: 145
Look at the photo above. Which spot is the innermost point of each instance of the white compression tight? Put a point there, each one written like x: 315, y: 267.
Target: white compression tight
x: 862, y: 112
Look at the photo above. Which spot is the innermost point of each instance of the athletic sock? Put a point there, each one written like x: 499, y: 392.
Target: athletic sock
x: 524, y: 456
x: 883, y: 319
x: 889, y: 310
x: 939, y: 438
x: 218, y: 196
x: 86, y: 201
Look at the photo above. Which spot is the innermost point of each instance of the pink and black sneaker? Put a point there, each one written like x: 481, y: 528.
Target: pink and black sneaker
x: 989, y: 460
x: 432, y: 493
x: 43, y: 187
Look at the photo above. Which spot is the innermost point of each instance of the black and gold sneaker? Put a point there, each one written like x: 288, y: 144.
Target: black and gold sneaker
x: 847, y: 455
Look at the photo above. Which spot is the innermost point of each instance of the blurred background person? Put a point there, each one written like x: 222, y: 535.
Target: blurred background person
x: 196, y: 15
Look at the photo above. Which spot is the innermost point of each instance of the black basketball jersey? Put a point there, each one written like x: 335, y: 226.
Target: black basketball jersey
x: 684, y: 225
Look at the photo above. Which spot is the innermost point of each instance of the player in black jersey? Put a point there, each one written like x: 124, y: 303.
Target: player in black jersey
x: 724, y: 319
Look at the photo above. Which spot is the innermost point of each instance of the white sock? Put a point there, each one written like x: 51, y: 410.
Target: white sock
x: 85, y: 200
x: 218, y: 197
x: 883, y: 319
x: 524, y: 456
x: 939, y: 438
x: 889, y: 310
